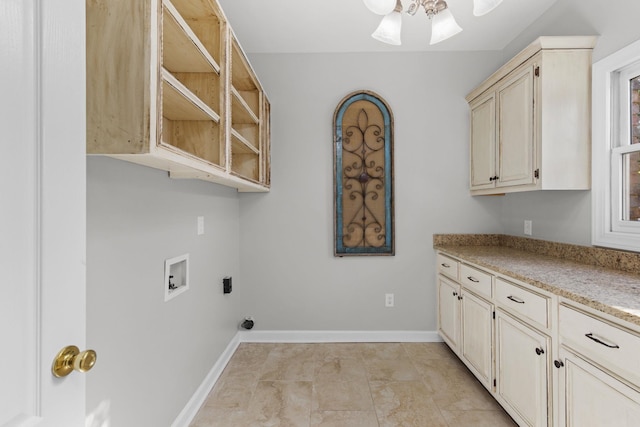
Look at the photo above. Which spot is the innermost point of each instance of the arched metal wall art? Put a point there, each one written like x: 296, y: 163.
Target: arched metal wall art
x: 363, y: 176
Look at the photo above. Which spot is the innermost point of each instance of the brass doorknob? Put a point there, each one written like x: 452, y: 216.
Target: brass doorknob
x: 71, y: 358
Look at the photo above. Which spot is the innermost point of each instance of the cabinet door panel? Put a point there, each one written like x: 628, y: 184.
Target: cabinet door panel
x: 449, y: 312
x: 483, y: 142
x: 594, y: 398
x: 521, y: 371
x: 515, y: 129
x: 477, y: 336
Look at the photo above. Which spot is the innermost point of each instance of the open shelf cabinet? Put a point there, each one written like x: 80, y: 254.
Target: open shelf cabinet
x: 168, y: 86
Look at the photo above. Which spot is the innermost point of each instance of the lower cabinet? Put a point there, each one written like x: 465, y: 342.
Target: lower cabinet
x: 449, y: 312
x: 477, y: 336
x: 547, y: 360
x: 522, y: 367
x: 592, y: 397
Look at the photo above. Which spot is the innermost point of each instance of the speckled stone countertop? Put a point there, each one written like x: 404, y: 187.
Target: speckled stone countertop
x: 603, y: 279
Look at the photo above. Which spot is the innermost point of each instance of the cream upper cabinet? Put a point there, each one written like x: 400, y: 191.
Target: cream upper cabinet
x: 483, y: 141
x: 530, y: 121
x: 515, y: 129
x: 169, y: 87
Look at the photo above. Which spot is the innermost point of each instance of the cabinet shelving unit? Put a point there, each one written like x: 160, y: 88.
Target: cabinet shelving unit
x: 169, y: 87
x: 247, y: 118
x: 531, y: 121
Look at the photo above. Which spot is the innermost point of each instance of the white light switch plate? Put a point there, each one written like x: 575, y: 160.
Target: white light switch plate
x: 527, y: 227
x: 200, y: 225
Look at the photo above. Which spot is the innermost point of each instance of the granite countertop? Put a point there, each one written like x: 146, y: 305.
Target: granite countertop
x: 610, y: 290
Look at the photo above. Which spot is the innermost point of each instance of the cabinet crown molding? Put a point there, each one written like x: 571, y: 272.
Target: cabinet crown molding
x: 541, y: 43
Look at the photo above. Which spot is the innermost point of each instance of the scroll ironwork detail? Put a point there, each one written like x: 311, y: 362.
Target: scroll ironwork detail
x: 363, y: 176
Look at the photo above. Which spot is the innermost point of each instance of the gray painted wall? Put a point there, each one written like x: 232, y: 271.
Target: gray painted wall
x: 278, y: 246
x: 287, y: 236
x: 152, y: 355
x: 566, y: 216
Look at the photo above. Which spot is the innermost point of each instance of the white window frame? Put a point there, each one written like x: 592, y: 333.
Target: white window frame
x: 610, y: 136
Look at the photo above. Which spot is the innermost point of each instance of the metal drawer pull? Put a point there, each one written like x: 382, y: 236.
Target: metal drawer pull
x: 455, y: 294
x: 591, y: 337
x: 514, y: 299
x: 559, y: 364
x: 473, y: 279
x: 539, y: 351
x: 445, y: 265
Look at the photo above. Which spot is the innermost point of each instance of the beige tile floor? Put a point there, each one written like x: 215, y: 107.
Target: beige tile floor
x: 348, y: 385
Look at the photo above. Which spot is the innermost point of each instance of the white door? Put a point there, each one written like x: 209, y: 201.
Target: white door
x: 515, y: 129
x: 522, y: 371
x: 595, y: 398
x: 477, y: 336
x: 449, y: 312
x: 483, y: 142
x: 42, y: 208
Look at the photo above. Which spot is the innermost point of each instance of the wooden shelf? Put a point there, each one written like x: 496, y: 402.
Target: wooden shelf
x: 181, y: 112
x: 246, y: 165
x: 182, y: 50
x: 240, y: 110
x: 206, y: 19
x: 241, y: 145
x: 241, y: 77
x: 179, y: 103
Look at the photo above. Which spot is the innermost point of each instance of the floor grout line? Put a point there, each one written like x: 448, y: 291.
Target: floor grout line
x: 296, y: 384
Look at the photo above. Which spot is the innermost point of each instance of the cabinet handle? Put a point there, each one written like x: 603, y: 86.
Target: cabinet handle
x: 591, y: 337
x: 445, y: 265
x: 459, y: 297
x: 473, y: 279
x: 539, y: 351
x: 455, y: 294
x: 516, y: 300
x: 491, y: 179
x: 558, y: 363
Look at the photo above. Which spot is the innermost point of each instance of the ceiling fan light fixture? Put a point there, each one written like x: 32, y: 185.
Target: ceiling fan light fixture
x: 443, y: 26
x: 389, y: 29
x: 380, y: 7
x: 482, y: 7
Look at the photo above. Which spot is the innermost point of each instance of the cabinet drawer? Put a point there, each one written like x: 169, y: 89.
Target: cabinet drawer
x: 523, y: 301
x: 476, y: 280
x: 605, y: 344
x: 447, y: 266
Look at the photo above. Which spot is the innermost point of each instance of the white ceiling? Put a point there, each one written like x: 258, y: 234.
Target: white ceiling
x: 295, y: 26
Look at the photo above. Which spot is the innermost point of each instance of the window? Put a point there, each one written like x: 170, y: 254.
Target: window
x: 616, y: 150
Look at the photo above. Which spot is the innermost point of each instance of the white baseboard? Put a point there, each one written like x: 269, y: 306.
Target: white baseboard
x: 193, y: 406
x: 189, y: 412
x: 338, y: 336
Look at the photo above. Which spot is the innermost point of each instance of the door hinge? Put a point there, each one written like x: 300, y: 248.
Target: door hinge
x: 537, y: 71
x: 536, y: 173
x: 494, y: 382
x: 494, y: 314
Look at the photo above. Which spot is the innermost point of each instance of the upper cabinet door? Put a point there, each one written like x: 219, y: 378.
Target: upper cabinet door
x: 516, y: 129
x: 483, y: 142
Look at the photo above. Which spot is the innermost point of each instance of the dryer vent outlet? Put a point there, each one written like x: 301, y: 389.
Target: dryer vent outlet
x: 247, y: 323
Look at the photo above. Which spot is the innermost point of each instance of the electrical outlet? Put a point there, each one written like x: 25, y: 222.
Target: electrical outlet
x: 527, y: 227
x: 388, y: 300
x: 200, y: 225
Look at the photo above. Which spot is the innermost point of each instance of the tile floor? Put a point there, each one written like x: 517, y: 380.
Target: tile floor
x: 348, y: 385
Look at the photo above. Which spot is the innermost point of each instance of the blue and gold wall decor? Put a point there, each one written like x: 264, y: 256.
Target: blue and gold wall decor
x: 363, y: 176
